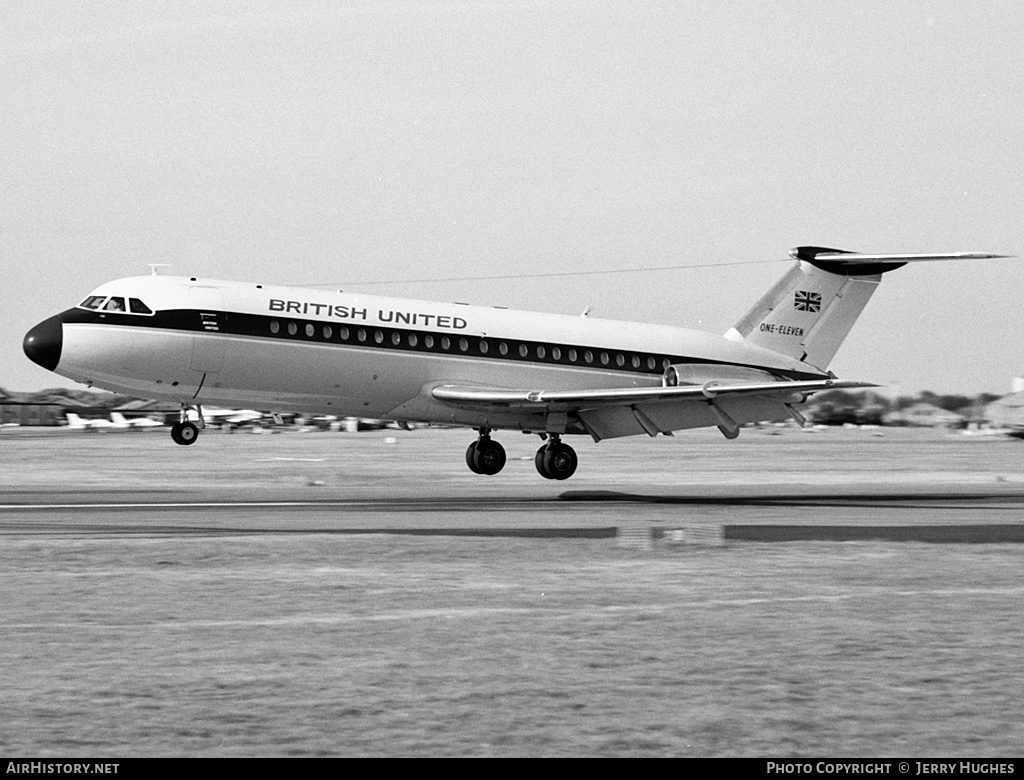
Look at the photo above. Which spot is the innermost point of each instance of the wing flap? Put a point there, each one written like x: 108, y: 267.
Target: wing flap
x: 572, y: 400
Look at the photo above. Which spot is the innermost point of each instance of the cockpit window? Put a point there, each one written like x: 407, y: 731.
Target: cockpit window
x: 93, y: 301
x: 135, y: 305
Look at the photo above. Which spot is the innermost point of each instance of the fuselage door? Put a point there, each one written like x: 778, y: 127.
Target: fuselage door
x: 207, y: 344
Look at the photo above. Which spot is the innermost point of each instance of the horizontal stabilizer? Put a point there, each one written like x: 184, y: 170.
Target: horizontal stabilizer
x: 845, y: 263
x: 840, y: 256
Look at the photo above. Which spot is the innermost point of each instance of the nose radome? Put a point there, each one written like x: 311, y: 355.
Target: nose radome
x: 43, y: 343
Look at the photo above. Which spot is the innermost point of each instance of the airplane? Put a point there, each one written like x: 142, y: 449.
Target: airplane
x: 120, y: 421
x: 231, y: 417
x: 77, y: 423
x: 197, y: 341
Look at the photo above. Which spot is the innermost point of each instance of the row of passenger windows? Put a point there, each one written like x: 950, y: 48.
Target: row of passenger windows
x: 474, y: 346
x: 115, y: 303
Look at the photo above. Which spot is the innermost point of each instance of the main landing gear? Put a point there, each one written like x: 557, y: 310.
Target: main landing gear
x: 185, y: 432
x: 485, y: 456
x: 555, y: 460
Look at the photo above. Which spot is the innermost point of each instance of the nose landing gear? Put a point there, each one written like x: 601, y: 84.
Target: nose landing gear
x: 185, y: 432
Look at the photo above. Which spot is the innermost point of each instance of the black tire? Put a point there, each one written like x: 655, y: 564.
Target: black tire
x: 560, y: 461
x: 471, y: 458
x: 538, y: 461
x: 184, y: 433
x: 488, y: 457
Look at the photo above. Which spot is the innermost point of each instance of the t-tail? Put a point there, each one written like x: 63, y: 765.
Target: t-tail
x: 809, y: 312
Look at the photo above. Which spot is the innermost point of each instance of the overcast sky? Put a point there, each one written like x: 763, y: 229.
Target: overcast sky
x: 327, y: 142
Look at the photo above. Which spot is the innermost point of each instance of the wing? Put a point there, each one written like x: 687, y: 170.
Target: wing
x: 611, y: 413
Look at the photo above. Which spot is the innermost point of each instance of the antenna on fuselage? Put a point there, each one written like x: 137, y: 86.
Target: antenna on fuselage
x: 586, y: 311
x: 155, y: 267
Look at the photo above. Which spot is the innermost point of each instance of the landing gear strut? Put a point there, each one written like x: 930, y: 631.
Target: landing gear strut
x: 485, y: 456
x: 185, y: 432
x: 556, y: 460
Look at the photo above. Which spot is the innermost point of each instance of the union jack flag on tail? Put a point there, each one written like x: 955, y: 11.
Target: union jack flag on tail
x: 807, y: 301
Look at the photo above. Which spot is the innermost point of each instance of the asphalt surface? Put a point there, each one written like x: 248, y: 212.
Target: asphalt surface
x: 366, y: 595
x: 837, y: 485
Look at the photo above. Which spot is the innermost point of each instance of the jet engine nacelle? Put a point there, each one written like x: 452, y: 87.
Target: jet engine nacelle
x: 698, y: 374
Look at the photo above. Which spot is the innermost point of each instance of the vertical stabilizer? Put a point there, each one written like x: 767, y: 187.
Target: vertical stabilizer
x: 807, y: 313
x: 810, y: 310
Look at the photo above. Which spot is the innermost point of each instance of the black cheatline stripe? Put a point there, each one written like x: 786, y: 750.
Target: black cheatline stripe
x: 451, y: 343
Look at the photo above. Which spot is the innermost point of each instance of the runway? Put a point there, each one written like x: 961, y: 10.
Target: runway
x: 365, y: 595
x: 978, y: 513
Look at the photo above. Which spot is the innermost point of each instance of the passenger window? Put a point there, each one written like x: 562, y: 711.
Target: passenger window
x: 114, y: 304
x: 93, y: 302
x: 138, y: 307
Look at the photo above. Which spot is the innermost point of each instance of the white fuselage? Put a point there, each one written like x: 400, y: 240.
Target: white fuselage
x: 303, y: 350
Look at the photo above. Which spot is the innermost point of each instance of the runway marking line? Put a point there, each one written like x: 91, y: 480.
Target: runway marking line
x: 180, y: 505
x: 401, y: 504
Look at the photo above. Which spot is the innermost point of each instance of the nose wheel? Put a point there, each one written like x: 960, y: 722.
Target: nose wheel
x: 556, y: 460
x: 184, y: 432
x: 485, y: 456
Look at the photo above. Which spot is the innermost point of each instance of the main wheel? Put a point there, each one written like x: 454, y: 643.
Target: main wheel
x: 559, y: 461
x: 538, y: 461
x: 184, y: 433
x: 488, y: 457
x: 471, y: 458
